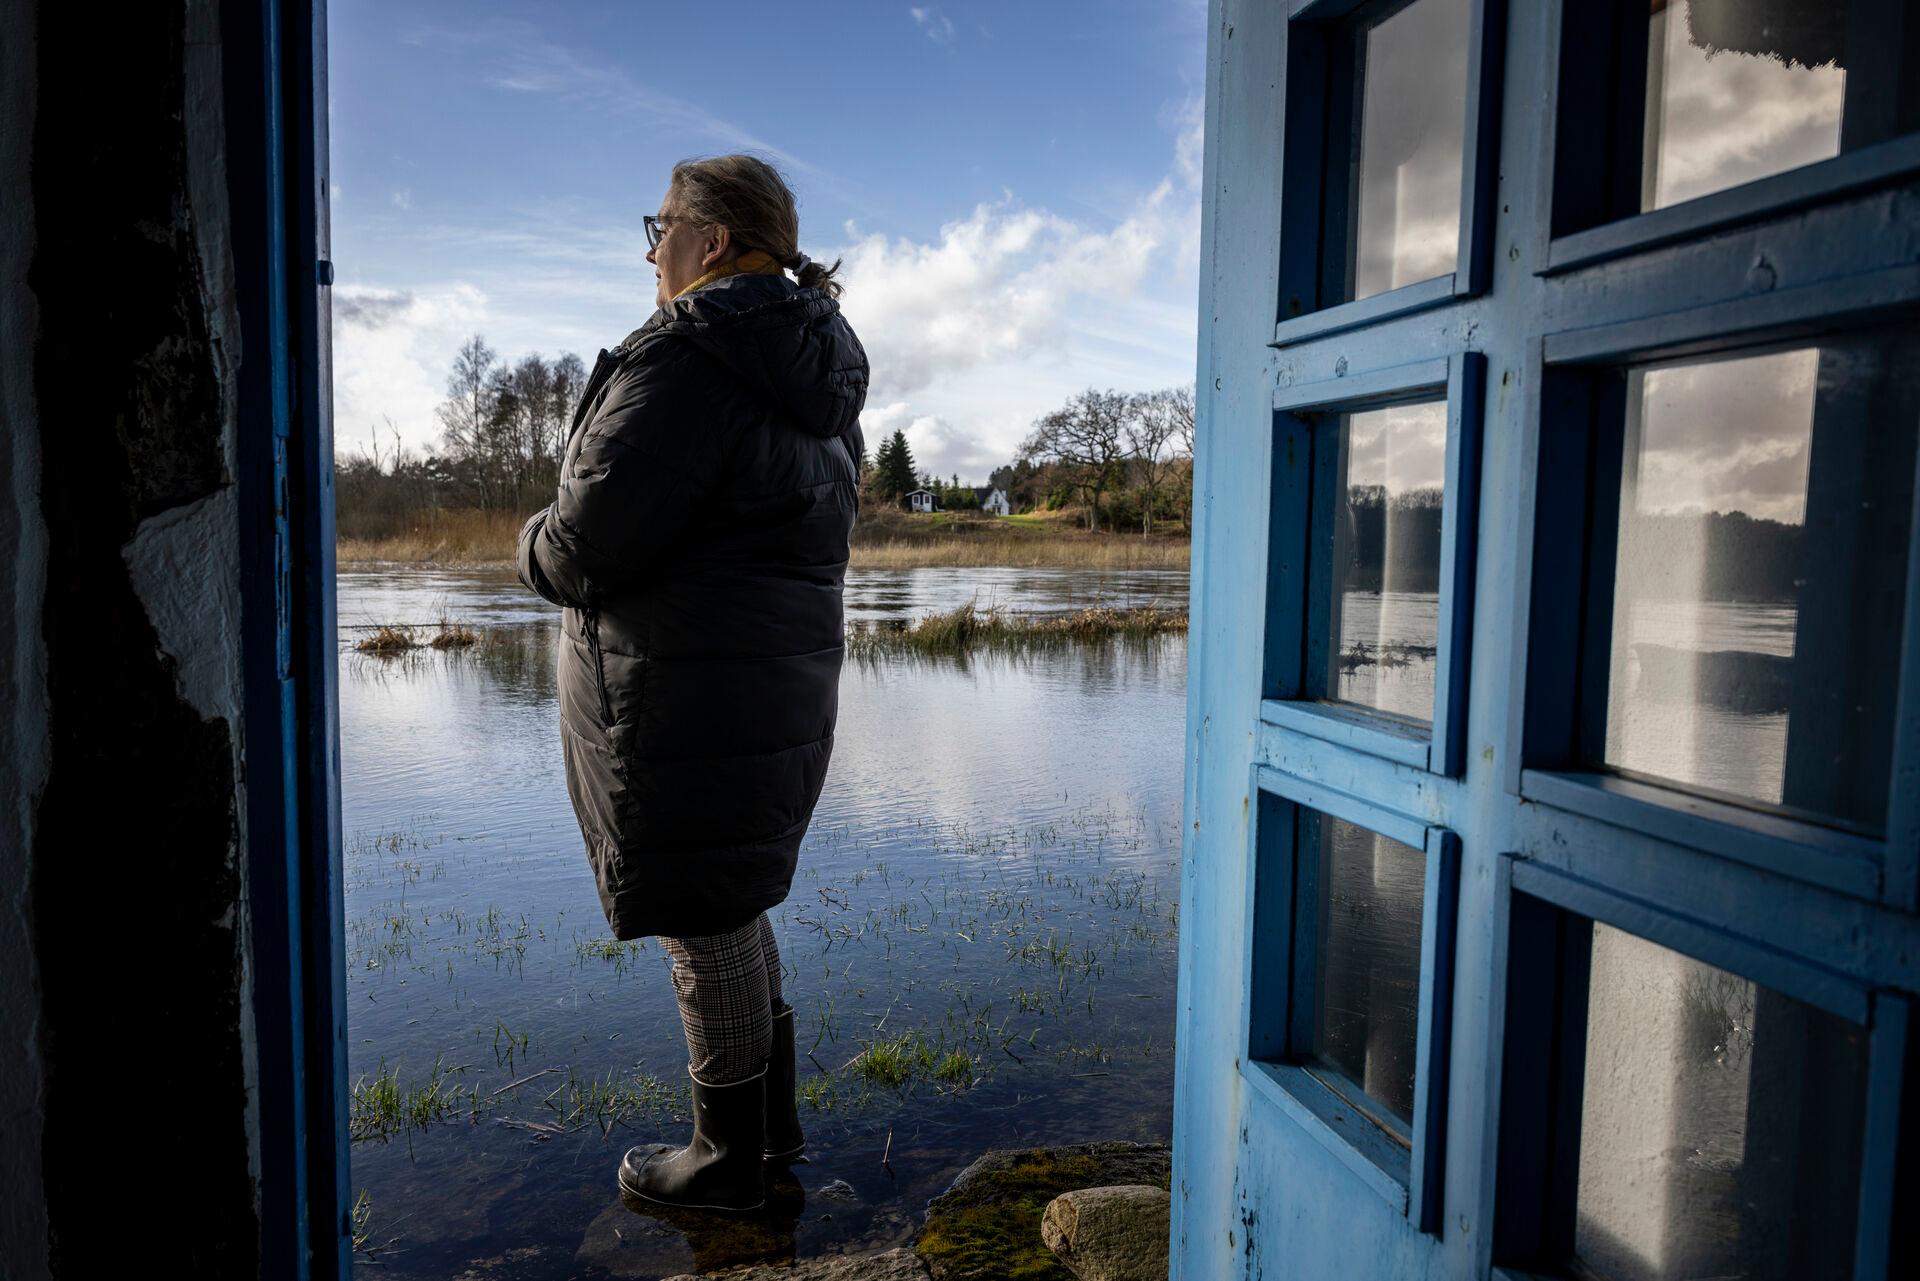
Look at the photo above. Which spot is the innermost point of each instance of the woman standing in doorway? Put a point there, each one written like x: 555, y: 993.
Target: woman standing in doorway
x: 698, y: 547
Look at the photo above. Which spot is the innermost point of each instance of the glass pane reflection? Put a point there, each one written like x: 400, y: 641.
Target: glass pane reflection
x: 1412, y: 120
x: 1386, y: 623
x: 1720, y: 1124
x: 1738, y: 90
x: 1371, y: 891
x: 1760, y: 580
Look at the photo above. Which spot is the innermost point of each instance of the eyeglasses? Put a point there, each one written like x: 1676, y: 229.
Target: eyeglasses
x: 654, y: 224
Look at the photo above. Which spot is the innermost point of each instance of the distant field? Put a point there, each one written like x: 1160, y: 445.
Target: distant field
x: 882, y: 539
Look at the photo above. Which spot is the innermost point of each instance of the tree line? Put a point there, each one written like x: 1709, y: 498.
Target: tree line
x: 503, y: 430
x: 1125, y: 457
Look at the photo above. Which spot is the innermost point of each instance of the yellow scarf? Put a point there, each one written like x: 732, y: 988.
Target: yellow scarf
x: 756, y: 261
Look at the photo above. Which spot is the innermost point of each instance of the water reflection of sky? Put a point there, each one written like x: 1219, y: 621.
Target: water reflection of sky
x: 976, y: 817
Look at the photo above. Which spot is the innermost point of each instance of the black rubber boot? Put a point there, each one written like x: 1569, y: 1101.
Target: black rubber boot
x: 721, y: 1168
x: 785, y: 1141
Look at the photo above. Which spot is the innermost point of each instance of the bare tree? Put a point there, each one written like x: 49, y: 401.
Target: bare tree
x: 467, y: 414
x: 1178, y: 405
x: 1086, y: 438
x: 568, y: 379
x: 1151, y: 428
x: 463, y: 414
x: 531, y: 386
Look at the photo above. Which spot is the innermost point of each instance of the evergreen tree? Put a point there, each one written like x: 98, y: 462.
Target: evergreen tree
x: 893, y: 467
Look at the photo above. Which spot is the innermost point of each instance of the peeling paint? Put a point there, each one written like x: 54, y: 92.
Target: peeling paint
x: 184, y: 568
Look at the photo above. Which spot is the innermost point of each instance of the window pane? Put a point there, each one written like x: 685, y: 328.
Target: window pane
x: 1412, y: 119
x: 1741, y: 89
x: 1371, y: 890
x: 1760, y: 581
x: 1738, y: 90
x: 1720, y: 1124
x: 1386, y: 559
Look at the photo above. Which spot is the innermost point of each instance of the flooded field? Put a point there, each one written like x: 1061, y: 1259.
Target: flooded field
x: 979, y: 943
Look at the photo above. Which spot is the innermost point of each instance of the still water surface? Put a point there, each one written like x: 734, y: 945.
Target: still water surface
x: 991, y: 873
x: 992, y: 869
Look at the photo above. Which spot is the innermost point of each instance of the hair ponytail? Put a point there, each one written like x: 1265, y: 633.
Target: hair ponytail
x: 817, y: 275
x: 748, y: 196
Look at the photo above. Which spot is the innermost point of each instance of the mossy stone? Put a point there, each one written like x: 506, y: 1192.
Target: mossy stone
x: 987, y: 1225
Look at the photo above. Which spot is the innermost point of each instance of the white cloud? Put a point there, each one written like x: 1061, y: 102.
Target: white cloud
x: 977, y: 332
x: 973, y: 332
x: 938, y: 445
x: 403, y: 198
x: 938, y: 27
x: 391, y: 352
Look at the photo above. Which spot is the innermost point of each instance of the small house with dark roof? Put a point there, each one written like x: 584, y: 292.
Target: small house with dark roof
x: 919, y: 500
x: 992, y: 499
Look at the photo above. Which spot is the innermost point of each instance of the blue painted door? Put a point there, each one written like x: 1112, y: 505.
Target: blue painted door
x: 1553, y: 784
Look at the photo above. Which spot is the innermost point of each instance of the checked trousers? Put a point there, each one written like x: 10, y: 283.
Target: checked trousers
x: 728, y: 986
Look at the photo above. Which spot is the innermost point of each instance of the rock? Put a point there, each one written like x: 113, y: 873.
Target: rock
x: 895, y: 1265
x: 986, y: 1226
x: 1111, y: 1233
x: 1009, y: 1170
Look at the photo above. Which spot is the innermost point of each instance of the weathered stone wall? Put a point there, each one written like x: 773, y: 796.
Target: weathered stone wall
x: 126, y: 1063
x: 23, y: 728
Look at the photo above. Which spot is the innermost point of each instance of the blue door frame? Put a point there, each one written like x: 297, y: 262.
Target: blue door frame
x: 274, y: 71
x: 1274, y: 1174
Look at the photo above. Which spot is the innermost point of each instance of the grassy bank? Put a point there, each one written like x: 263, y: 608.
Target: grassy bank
x: 454, y: 538
x: 883, y: 539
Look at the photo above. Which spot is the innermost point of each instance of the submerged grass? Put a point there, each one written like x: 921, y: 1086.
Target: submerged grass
x: 383, y: 1107
x: 970, y: 628
x: 386, y: 1105
x: 997, y: 942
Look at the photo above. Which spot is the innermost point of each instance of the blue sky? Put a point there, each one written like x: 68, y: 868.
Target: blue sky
x: 1015, y: 189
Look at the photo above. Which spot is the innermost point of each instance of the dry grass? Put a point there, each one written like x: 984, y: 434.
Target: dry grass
x: 881, y: 540
x: 387, y: 640
x: 390, y: 640
x: 454, y: 538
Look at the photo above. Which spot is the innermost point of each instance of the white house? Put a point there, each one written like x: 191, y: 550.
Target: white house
x: 993, y: 500
x: 918, y: 500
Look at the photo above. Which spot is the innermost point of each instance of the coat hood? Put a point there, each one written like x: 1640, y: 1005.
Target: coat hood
x: 790, y: 344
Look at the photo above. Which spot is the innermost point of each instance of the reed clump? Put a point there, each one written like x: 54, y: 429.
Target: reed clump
x: 387, y: 640
x: 970, y: 628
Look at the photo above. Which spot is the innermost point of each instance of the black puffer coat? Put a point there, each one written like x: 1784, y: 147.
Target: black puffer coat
x: 699, y: 546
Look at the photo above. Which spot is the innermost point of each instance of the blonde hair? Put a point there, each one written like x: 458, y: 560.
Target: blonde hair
x: 748, y: 197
